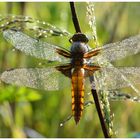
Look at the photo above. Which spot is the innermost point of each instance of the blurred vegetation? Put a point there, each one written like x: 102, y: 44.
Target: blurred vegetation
x: 26, y: 112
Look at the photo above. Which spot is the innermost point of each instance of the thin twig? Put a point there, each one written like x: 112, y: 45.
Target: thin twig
x: 74, y: 17
x: 100, y: 114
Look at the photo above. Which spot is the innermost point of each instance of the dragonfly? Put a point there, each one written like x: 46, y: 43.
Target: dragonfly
x: 76, y: 64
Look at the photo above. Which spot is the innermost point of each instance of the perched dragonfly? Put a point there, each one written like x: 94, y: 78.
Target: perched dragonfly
x: 76, y: 64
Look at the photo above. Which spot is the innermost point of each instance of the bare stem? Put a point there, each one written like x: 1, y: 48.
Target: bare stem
x: 74, y: 17
x: 100, y: 114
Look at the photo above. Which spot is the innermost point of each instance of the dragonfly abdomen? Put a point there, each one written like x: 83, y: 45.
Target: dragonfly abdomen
x: 77, y: 93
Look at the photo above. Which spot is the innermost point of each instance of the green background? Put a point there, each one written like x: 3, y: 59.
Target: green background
x: 25, y: 112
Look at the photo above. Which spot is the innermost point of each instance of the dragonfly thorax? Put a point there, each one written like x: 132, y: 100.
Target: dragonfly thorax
x: 78, y: 49
x: 79, y: 45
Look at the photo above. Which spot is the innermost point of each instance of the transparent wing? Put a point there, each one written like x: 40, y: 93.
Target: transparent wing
x: 38, y: 78
x: 113, y: 51
x: 33, y: 47
x: 116, y: 78
x: 119, y: 50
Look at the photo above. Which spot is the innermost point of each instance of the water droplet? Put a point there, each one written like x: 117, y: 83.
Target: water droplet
x: 44, y: 32
x: 14, y: 50
x: 38, y: 21
x: 44, y: 22
x: 2, y: 25
x: 7, y: 22
x: 112, y: 116
x: 48, y: 24
x: 40, y: 64
x: 89, y: 104
x: 34, y: 27
x: 61, y: 124
x: 88, y: 93
x: 26, y: 17
x: 116, y: 132
x: 134, y: 98
x: 51, y: 31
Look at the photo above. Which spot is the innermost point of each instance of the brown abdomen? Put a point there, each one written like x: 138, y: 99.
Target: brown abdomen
x: 77, y: 93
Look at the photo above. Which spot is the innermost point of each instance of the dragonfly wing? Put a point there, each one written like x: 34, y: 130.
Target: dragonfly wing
x: 38, y: 78
x: 33, y: 47
x: 119, y: 50
x: 116, y: 78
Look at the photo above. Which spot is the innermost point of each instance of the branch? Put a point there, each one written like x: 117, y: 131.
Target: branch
x: 74, y: 17
x: 100, y: 114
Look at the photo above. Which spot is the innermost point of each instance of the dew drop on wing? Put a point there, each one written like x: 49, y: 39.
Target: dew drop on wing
x: 119, y: 50
x: 33, y: 47
x: 116, y: 78
x: 39, y: 78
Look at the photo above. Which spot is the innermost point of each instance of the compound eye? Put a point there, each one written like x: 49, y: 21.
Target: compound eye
x: 70, y: 40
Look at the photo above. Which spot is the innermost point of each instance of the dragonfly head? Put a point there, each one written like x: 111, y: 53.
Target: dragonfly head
x: 79, y: 37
